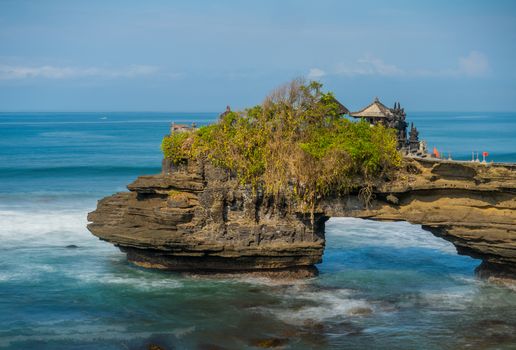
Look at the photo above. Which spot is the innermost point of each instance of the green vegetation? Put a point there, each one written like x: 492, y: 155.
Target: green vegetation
x: 178, y: 195
x: 173, y: 147
x: 174, y: 193
x: 296, y: 144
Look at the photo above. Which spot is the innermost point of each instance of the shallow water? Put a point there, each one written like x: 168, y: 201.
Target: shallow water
x: 381, y: 285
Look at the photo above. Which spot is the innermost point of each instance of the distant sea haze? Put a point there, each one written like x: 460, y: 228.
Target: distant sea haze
x: 381, y: 285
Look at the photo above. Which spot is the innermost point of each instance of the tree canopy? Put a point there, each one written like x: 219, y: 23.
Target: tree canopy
x: 295, y: 144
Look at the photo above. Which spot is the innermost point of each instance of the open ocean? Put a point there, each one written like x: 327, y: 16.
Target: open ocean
x: 381, y: 286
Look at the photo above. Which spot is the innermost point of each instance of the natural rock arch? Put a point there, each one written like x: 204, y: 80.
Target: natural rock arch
x: 199, y: 218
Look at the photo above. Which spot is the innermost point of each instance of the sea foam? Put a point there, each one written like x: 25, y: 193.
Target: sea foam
x: 318, y: 304
x: 360, y: 232
x: 22, y: 228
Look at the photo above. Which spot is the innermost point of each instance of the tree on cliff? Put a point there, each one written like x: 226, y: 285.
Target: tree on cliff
x: 294, y: 144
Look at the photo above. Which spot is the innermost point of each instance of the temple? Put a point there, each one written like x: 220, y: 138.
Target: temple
x: 174, y: 127
x: 378, y: 113
x: 226, y: 112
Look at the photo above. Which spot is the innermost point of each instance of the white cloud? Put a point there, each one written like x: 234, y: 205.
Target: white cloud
x: 316, y: 73
x: 475, y: 64
x: 369, y: 65
x: 379, y: 67
x: 8, y: 72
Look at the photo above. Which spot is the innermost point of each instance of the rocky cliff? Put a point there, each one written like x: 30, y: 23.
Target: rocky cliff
x: 199, y: 218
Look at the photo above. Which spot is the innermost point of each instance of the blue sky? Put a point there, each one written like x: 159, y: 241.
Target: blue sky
x: 201, y: 55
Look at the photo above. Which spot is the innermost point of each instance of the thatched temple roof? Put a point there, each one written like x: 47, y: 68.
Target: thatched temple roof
x: 375, y: 110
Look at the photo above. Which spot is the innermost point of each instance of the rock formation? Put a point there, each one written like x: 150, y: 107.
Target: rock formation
x: 199, y: 218
x: 472, y: 205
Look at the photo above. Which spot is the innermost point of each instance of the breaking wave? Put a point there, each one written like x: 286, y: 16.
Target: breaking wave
x: 309, y: 303
x: 23, y: 228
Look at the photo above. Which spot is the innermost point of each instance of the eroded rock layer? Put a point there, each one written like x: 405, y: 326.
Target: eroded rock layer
x: 471, y: 205
x: 199, y: 218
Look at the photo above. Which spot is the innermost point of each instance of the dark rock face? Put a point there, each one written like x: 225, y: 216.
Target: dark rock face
x: 199, y: 218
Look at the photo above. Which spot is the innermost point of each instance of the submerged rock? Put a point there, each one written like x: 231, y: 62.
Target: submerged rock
x: 360, y: 311
x: 269, y: 343
x: 155, y: 347
x: 198, y: 218
x: 503, y: 275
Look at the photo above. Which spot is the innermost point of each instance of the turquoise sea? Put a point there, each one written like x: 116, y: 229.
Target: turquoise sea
x: 381, y: 285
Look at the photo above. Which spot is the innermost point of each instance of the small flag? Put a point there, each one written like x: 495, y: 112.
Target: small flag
x: 485, y: 154
x: 436, y: 153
